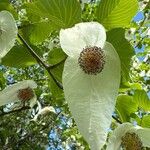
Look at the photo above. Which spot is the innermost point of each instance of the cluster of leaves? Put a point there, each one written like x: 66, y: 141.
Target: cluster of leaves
x: 39, y: 22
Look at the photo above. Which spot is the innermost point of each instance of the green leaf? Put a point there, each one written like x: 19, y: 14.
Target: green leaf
x: 57, y: 93
x: 60, y: 13
x: 45, y: 16
x: 125, y: 51
x: 36, y: 32
x: 57, y: 73
x: 5, y: 5
x: 145, y: 122
x: 56, y: 55
x: 125, y: 106
x: 18, y: 56
x: 135, y: 118
x: 116, y: 13
x: 142, y: 99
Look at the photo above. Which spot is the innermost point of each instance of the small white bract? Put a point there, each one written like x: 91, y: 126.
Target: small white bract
x: 86, y: 1
x: 21, y: 91
x: 8, y: 32
x: 91, y: 79
x: 130, y: 137
x: 143, y: 4
x: 44, y: 111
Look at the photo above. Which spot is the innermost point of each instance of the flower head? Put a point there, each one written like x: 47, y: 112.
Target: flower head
x: 92, y: 60
x: 91, y: 79
x: 8, y: 32
x: 22, y: 91
x: 129, y: 137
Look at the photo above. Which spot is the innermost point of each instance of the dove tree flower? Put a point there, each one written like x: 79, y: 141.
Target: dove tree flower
x: 129, y: 137
x: 91, y: 79
x: 21, y: 91
x: 8, y: 32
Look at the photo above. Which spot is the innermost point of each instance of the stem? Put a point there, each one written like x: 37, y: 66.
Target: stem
x: 57, y: 83
x: 138, y: 43
x: 116, y: 119
x: 39, y: 60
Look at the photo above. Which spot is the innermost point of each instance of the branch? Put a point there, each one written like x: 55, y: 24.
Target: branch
x: 39, y: 60
x: 57, y: 82
x: 116, y: 119
x: 138, y: 43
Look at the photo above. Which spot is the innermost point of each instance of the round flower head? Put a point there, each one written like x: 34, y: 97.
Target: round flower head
x: 8, y: 32
x: 91, y: 79
x: 22, y: 91
x: 129, y: 137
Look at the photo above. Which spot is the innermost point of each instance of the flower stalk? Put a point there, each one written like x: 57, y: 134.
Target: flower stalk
x: 39, y: 60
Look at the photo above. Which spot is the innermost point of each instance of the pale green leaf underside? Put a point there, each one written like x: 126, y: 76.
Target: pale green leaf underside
x: 91, y: 98
x: 37, y: 32
x: 142, y: 99
x: 116, y: 13
x: 46, y: 16
x: 61, y: 13
x: 145, y: 122
x: 125, y: 106
x: 125, y: 51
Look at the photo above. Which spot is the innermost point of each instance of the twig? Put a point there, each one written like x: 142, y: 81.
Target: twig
x: 39, y: 60
x: 138, y: 43
x: 116, y: 119
x: 57, y: 83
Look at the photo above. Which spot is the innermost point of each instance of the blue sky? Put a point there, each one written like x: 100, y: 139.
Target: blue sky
x: 139, y: 16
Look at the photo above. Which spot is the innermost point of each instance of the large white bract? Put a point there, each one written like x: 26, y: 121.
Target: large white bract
x: 115, y: 139
x: 8, y: 32
x: 10, y: 93
x: 91, y: 98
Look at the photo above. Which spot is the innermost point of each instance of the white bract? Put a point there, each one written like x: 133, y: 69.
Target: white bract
x: 8, y: 32
x: 115, y: 139
x: 148, y: 31
x: 130, y: 33
x: 143, y: 4
x: 13, y: 93
x: 86, y: 1
x: 91, y: 97
x: 44, y: 111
